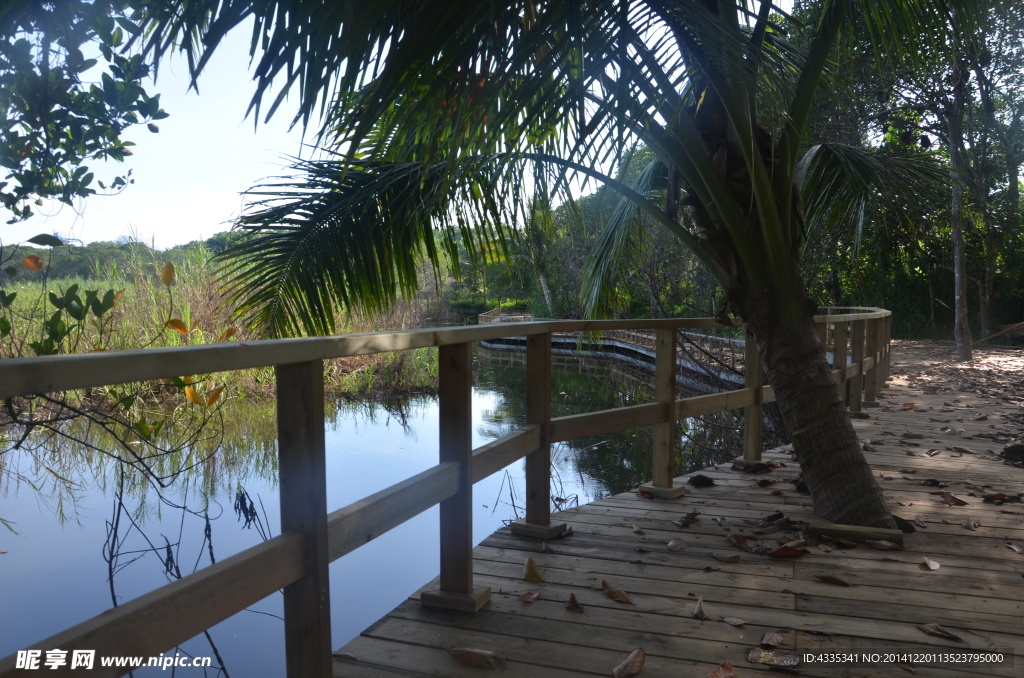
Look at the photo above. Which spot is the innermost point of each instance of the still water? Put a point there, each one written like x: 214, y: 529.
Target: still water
x: 65, y: 557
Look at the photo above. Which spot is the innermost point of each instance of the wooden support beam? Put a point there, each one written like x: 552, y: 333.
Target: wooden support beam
x: 886, y: 340
x: 857, y: 330
x: 664, y: 447
x: 301, y: 465
x: 874, y: 350
x: 362, y: 521
x: 157, y: 621
x: 753, y: 416
x: 455, y: 384
x: 537, y: 522
x: 839, y: 354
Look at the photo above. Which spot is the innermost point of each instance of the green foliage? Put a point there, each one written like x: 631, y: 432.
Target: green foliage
x: 53, y: 119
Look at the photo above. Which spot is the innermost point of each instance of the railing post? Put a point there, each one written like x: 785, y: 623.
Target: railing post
x: 537, y: 522
x: 662, y: 484
x: 300, y: 440
x: 839, y: 355
x: 753, y: 415
x: 455, y: 391
x: 874, y: 351
x: 883, y: 377
x: 857, y: 329
x: 822, y: 328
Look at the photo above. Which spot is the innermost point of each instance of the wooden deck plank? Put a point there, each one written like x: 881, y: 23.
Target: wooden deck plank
x: 977, y: 592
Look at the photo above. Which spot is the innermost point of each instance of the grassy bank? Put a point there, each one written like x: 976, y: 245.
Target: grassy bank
x: 155, y: 305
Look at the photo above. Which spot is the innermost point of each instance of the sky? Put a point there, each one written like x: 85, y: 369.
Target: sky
x: 189, y: 176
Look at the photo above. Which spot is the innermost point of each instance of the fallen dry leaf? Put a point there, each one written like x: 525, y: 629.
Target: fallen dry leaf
x: 676, y: 545
x: 615, y: 594
x: 825, y: 547
x: 733, y: 621
x: 907, y: 666
x: 530, y: 596
x: 637, y: 530
x: 789, y: 552
x: 631, y: 665
x: 531, y: 572
x: 882, y: 545
x: 772, y: 658
x: 920, y: 523
x: 544, y: 548
x: 468, y: 656
x: 738, y: 540
x: 832, y: 579
x: 723, y: 670
x: 687, y: 520
x: 573, y: 605
x: 952, y: 499
x: 970, y: 525
x: 733, y: 558
x: 936, y: 630
x: 698, y: 611
x: 344, y: 655
x: 771, y: 639
x: 1015, y: 548
x: 929, y: 564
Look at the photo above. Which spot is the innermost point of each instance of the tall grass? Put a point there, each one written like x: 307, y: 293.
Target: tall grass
x: 148, y: 309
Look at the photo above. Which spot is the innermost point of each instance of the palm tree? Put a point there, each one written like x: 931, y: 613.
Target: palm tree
x: 436, y: 113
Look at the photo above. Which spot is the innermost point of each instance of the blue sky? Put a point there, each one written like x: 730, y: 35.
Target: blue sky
x: 188, y: 177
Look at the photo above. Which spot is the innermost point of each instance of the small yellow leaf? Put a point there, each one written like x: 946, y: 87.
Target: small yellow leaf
x: 531, y: 572
x: 195, y: 324
x: 117, y: 298
x: 214, y: 396
x: 32, y: 263
x: 228, y: 333
x: 176, y: 324
x: 194, y: 397
x: 167, y: 274
x: 188, y: 380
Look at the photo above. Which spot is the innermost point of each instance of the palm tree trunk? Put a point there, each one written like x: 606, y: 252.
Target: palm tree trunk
x: 838, y: 476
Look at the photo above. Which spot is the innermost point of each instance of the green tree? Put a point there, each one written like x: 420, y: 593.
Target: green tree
x: 438, y: 111
x: 53, y: 120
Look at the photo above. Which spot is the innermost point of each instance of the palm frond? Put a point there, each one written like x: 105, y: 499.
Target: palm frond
x: 842, y: 185
x: 339, y: 236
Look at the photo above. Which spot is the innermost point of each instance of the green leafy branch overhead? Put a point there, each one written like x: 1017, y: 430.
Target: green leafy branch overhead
x: 62, y: 105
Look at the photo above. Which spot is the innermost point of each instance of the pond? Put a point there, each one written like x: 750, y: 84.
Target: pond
x: 65, y: 556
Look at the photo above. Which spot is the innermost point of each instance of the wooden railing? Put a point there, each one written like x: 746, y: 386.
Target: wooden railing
x: 310, y: 538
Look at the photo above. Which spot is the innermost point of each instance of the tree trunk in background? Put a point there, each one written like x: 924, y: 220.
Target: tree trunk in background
x: 961, y: 328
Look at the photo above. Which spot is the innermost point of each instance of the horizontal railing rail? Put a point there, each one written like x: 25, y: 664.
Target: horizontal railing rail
x: 296, y: 561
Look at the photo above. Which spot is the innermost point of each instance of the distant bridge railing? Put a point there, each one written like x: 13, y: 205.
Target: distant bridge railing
x: 310, y: 538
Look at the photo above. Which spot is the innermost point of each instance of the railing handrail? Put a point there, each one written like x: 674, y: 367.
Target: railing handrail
x: 297, y: 559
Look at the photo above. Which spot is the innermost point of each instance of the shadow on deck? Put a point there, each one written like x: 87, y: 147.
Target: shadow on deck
x: 949, y: 439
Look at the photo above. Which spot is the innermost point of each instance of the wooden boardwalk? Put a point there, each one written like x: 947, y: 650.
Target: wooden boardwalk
x: 976, y: 594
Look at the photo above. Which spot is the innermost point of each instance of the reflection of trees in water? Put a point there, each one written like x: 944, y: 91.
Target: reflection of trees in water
x: 204, y: 481
x: 613, y: 462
